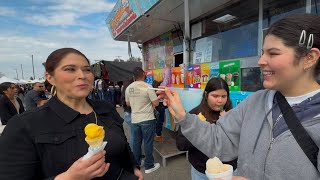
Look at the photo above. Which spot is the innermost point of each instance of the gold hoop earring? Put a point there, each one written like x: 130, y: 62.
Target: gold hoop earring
x: 53, y: 91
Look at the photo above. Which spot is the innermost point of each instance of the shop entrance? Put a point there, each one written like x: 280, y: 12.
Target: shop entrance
x: 178, y: 59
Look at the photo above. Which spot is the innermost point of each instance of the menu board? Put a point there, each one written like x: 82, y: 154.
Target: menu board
x: 230, y: 72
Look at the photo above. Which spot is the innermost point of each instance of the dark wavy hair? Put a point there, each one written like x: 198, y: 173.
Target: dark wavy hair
x: 5, y: 86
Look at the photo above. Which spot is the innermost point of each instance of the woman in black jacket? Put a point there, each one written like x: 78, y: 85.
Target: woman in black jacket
x: 215, y: 103
x: 10, y: 105
x: 48, y: 142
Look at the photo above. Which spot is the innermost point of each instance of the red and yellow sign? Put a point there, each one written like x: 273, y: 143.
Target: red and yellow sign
x: 177, y: 78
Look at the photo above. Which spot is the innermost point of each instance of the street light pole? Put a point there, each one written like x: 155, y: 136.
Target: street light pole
x: 34, y: 77
x: 17, y: 74
x: 22, y: 71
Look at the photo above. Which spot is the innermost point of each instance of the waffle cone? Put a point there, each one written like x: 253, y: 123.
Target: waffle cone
x: 94, y: 143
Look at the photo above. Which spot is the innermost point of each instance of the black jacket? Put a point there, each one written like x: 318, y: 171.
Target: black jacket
x: 196, y: 157
x: 7, y: 109
x: 46, y: 141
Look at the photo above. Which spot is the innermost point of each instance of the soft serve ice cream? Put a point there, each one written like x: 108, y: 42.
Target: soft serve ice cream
x: 216, y: 169
x: 214, y: 165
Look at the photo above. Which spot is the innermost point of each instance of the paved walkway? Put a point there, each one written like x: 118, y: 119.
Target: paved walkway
x: 178, y: 168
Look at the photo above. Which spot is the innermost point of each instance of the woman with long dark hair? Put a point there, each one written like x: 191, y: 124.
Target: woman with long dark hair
x: 10, y: 105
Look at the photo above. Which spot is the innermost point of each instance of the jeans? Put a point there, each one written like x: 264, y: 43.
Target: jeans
x: 127, y: 119
x: 143, y: 131
x: 161, y: 109
x: 196, y: 175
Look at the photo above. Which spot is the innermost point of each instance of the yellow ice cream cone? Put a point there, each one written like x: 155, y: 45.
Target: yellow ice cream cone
x: 94, y: 135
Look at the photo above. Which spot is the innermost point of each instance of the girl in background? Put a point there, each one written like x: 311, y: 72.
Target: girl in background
x: 215, y: 102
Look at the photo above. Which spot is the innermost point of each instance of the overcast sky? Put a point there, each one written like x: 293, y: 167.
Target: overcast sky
x: 38, y: 27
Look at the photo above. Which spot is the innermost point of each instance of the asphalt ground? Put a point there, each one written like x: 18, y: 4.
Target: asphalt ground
x: 177, y: 167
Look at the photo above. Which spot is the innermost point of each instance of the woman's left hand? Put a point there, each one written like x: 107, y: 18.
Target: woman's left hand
x: 222, y: 113
x: 138, y: 173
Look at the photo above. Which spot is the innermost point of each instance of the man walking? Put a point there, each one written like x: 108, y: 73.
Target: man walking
x: 142, y: 101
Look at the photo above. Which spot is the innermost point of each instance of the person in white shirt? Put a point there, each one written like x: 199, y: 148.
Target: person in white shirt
x: 142, y: 101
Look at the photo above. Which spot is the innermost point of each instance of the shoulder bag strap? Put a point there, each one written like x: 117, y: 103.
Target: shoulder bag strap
x: 299, y: 133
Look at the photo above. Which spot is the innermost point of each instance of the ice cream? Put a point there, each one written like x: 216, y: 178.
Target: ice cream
x: 217, y: 170
x: 201, y: 117
x: 94, y: 135
x: 215, y: 166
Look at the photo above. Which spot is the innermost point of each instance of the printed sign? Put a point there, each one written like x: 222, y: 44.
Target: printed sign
x: 230, y: 72
x: 157, y: 74
x: 193, y: 76
x: 214, y: 70
x: 205, y: 72
x: 166, y: 73
x: 149, y: 76
x: 123, y: 14
x: 177, y: 77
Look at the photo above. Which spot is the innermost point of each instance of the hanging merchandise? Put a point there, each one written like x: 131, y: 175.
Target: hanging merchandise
x: 97, y: 70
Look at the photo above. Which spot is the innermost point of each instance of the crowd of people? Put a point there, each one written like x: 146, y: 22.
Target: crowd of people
x: 272, y: 134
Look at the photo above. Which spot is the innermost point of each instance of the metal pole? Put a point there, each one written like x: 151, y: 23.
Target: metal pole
x: 22, y: 71
x: 260, y: 27
x: 17, y: 74
x: 186, y: 41
x: 34, y: 77
x: 308, y: 6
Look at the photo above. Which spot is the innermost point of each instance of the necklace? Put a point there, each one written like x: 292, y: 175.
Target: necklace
x: 95, y: 116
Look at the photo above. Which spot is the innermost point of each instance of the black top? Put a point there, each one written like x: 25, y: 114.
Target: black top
x: 196, y: 157
x: 8, y: 110
x: 44, y: 142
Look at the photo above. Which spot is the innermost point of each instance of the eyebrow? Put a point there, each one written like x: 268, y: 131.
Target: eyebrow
x: 271, y: 49
x: 219, y: 94
x: 72, y: 65
x: 69, y: 65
